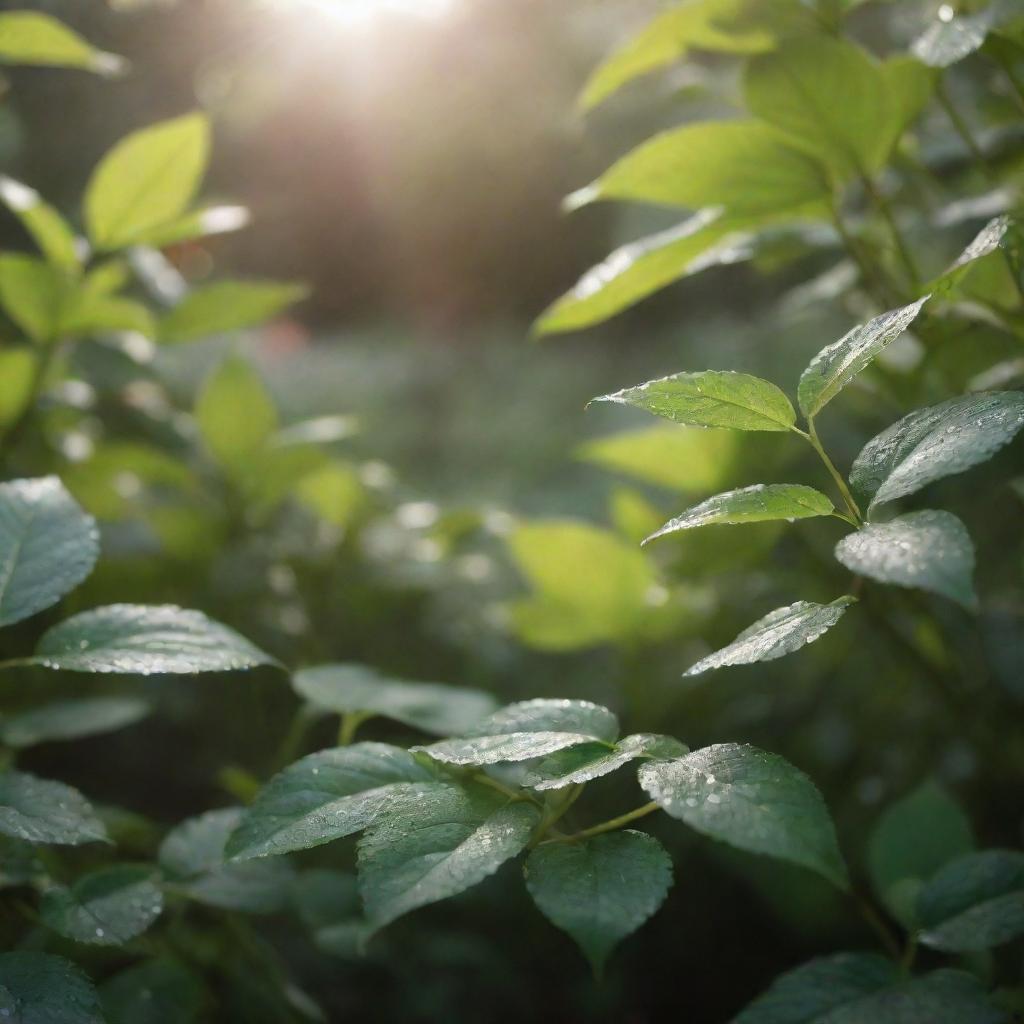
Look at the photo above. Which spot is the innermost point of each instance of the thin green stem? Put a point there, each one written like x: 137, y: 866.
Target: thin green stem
x: 881, y: 204
x: 844, y: 490
x: 846, y: 519
x: 15, y: 663
x: 350, y: 722
x: 553, y: 813
x: 611, y: 824
x: 512, y: 794
x: 881, y: 929
x: 962, y: 129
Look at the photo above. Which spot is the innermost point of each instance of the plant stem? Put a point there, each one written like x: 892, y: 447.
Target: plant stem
x: 963, y: 129
x: 881, y: 929
x: 611, y: 824
x: 814, y: 441
x: 902, y: 250
x: 512, y: 794
x: 350, y: 722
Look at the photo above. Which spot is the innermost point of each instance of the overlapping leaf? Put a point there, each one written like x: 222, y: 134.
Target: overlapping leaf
x: 588, y: 761
x: 44, y: 989
x: 42, y: 811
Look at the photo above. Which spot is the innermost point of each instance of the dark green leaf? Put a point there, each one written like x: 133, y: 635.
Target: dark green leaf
x: 37, y: 988
x: 41, y: 811
x: 71, y: 719
x: 157, y: 991
x: 588, y: 761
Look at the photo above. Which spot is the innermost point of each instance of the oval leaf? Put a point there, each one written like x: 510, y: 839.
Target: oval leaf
x: 71, y: 719
x: 227, y: 306
x: 41, y: 811
x: 43, y: 989
x: 236, y: 414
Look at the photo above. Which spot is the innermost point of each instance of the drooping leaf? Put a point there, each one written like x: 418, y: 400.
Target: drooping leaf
x: 435, y: 845
x: 599, y: 890
x: 146, y: 639
x: 42, y: 811
x: 345, y: 689
x: 940, y: 441
x: 837, y: 364
x: 711, y: 398
x: 146, y: 180
x: 156, y: 991
x: 30, y: 37
x: 325, y: 796
x: 47, y: 227
x: 39, y: 988
x: 108, y: 907
x: 780, y: 632
x: 752, y: 800
x: 236, y: 415
x: 227, y: 306
x: 752, y: 505
x: 48, y: 545
x: 975, y: 902
x: 71, y: 719
x: 528, y: 729
x: 929, y: 550
x: 591, y: 760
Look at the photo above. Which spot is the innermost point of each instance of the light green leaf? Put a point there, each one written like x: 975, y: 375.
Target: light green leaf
x: 599, y: 890
x: 45, y: 989
x: 146, y: 180
x: 808, y: 993
x: 432, y: 707
x: 325, y: 796
x: 236, y: 414
x: 780, y: 632
x: 433, y: 846
x: 747, y: 168
x: 752, y: 505
x: 992, y: 237
x: 156, y: 991
x: 47, y: 227
x: 227, y: 306
x: 145, y: 639
x: 210, y: 220
x: 909, y: 86
x: 108, y: 907
x: 752, y: 800
x: 588, y: 761
x: 71, y: 719
x: 936, y: 442
x: 911, y: 840
x: 528, y: 729
x: 930, y: 550
x: 333, y: 492
x: 634, y: 271
x: 974, y: 903
x: 41, y: 811
x: 946, y: 41
x: 48, y: 545
x: 711, y: 398
x: 89, y: 312
x: 837, y: 364
x: 17, y: 371
x: 29, y: 37
x: 33, y: 294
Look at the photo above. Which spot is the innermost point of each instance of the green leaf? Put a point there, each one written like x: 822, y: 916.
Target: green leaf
x: 530, y: 728
x: 432, y: 707
x: 146, y: 180
x: 201, y: 223
x: 86, y: 312
x: 108, y: 907
x: 156, y: 991
x: 435, y: 845
x: 325, y: 796
x: 780, y: 632
x: 28, y: 37
x: 47, y: 227
x: 588, y: 761
x: 808, y: 993
x: 634, y: 271
x: 995, y: 235
x: 947, y: 41
x: 48, y: 545
x: 936, y: 442
x: 837, y: 364
x: 17, y: 371
x: 41, y: 811
x: 929, y: 550
x: 227, y: 306
x: 752, y: 505
x: 333, y: 492
x: 599, y: 890
x: 711, y: 398
x: 145, y: 639
x: 236, y: 414
x: 747, y: 168
x: 38, y: 988
x: 71, y: 719
x: 192, y: 855
x: 33, y: 294
x: 974, y: 903
x: 752, y: 800
x: 911, y: 840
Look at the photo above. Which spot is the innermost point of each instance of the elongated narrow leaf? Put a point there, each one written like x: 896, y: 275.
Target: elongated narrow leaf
x: 235, y: 413
x: 712, y: 398
x: 591, y: 760
x: 325, y: 796
x: 48, y: 545
x: 427, y: 849
x: 145, y: 180
x: 975, y: 902
x: 752, y: 505
x: 47, y: 227
x: 200, y: 223
x: 930, y: 550
x: 837, y: 364
x: 936, y: 442
x: 752, y: 800
x: 40, y: 988
x: 29, y: 37
x: 443, y: 710
x: 600, y: 890
x: 146, y: 639
x: 41, y: 811
x: 228, y: 306
x: 106, y: 908
x: 71, y: 719
x: 780, y: 632
x: 533, y: 728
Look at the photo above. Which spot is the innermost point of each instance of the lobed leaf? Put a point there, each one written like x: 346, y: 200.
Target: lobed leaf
x: 41, y: 811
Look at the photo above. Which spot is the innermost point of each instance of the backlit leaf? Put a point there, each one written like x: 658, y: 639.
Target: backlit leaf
x: 236, y: 414
x: 47, y: 227
x: 30, y: 37
x: 227, y: 306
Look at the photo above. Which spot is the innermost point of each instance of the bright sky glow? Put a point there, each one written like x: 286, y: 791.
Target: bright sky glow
x: 357, y: 13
